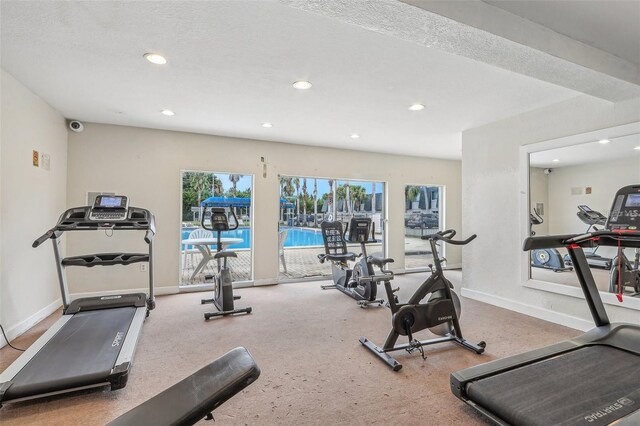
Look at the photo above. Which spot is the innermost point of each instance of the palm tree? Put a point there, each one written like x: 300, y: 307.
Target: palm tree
x: 315, y: 202
x: 304, y: 198
x: 410, y: 193
x: 358, y: 195
x: 296, y: 184
x: 234, y: 181
x: 348, y: 196
x: 216, y: 187
x: 286, y: 185
x: 330, y: 198
x: 199, y: 182
x: 286, y: 189
x: 373, y: 197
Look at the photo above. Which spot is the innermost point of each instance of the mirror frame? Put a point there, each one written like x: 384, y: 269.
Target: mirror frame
x: 525, y: 152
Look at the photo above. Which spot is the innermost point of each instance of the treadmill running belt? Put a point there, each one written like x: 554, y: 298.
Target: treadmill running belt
x: 556, y: 391
x: 82, y: 353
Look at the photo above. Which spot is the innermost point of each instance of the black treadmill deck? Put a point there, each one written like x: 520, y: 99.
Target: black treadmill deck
x: 82, y: 353
x: 592, y: 385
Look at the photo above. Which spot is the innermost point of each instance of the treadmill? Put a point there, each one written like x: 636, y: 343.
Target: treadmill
x: 593, y: 379
x: 92, y: 344
x: 593, y: 219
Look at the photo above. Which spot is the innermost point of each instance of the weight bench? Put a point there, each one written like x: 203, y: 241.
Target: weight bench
x: 196, y: 396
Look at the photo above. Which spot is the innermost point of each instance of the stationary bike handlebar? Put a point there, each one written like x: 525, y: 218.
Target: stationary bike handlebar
x: 447, y: 236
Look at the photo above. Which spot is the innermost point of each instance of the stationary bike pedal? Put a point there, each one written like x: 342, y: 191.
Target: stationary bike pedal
x: 395, y: 290
x: 236, y: 297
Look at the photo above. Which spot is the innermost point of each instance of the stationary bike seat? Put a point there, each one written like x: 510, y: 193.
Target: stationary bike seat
x: 223, y: 254
x: 379, y: 261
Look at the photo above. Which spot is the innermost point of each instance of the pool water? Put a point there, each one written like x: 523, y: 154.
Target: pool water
x: 296, y: 237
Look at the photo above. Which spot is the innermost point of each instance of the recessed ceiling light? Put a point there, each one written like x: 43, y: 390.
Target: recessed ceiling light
x: 354, y: 136
x: 637, y: 147
x: 267, y: 125
x: 167, y: 112
x: 302, y: 85
x: 416, y: 107
x: 604, y: 141
x: 155, y: 58
x: 555, y: 160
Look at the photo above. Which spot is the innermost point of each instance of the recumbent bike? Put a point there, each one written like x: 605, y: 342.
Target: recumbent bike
x: 223, y: 297
x: 547, y: 258
x: 440, y: 314
x: 361, y: 281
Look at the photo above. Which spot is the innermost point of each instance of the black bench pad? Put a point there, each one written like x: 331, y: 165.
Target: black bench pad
x: 191, y: 399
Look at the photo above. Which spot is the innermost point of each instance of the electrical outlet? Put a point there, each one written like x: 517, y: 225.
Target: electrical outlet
x: 143, y: 267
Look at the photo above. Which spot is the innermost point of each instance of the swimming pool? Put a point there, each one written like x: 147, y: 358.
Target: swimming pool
x: 296, y: 237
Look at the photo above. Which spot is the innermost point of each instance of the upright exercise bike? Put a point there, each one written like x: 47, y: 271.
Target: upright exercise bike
x: 361, y: 282
x: 439, y: 314
x: 223, y: 297
x: 547, y: 258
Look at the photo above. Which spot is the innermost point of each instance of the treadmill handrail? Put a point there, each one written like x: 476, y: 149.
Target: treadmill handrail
x: 77, y: 219
x: 614, y: 238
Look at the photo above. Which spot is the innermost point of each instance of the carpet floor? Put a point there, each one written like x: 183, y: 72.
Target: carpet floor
x: 314, y: 370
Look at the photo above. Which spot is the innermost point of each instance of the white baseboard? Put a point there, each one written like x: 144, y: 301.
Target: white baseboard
x: 533, y: 311
x: 23, y: 326
x: 158, y: 291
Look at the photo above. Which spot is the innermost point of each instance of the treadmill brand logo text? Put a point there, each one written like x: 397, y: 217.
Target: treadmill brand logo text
x: 118, y: 339
x: 621, y: 403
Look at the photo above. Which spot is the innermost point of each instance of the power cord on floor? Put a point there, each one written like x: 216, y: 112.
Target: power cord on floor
x: 8, y: 342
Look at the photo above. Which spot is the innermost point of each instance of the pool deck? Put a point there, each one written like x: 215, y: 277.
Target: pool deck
x: 302, y: 262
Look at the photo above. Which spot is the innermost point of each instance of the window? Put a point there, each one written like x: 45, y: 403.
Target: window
x: 213, y: 189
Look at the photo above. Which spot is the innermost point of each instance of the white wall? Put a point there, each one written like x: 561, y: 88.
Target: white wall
x: 493, y: 196
x: 539, y: 188
x: 31, y: 200
x: 604, y: 178
x: 145, y: 164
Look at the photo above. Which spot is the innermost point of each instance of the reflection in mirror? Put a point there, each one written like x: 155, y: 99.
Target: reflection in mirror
x: 571, y: 190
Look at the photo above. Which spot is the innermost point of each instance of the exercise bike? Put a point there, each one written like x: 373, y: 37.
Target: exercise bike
x: 439, y: 314
x: 223, y: 297
x: 360, y: 282
x: 545, y: 258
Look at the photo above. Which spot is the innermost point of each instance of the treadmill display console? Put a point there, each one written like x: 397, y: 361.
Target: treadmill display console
x: 109, y: 208
x: 625, y: 213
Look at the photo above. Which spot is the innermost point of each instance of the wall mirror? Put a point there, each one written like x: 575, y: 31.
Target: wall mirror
x: 571, y: 184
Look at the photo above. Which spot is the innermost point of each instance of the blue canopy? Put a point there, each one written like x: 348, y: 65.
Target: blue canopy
x: 226, y: 202
x: 237, y: 202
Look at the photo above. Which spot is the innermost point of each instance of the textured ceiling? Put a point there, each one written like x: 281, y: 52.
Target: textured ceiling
x: 612, y: 25
x: 231, y: 65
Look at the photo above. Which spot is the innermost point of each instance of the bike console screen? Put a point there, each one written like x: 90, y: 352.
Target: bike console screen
x: 625, y: 213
